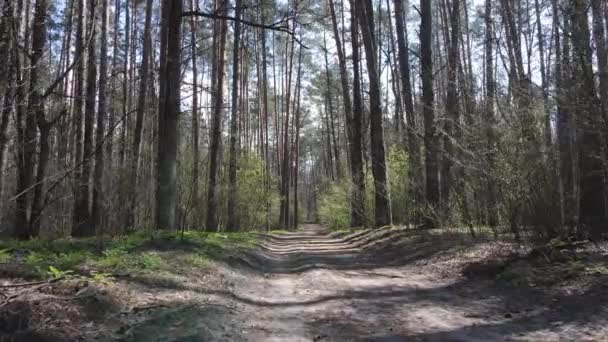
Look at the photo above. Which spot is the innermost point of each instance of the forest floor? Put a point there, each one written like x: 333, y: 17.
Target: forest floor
x: 388, y: 284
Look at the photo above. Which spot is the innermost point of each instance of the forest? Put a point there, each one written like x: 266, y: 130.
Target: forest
x: 154, y: 154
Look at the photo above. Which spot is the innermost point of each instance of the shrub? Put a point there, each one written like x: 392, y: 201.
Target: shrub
x: 334, y: 206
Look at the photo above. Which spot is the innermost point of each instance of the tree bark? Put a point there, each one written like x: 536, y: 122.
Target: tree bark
x: 592, y: 201
x: 285, y: 163
x: 232, y: 224
x: 428, y: 98
x: 36, y: 110
x: 452, y: 106
x: 356, y: 155
x: 139, y: 120
x: 214, y: 149
x: 490, y: 119
x: 78, y: 116
x: 382, y: 200
x: 98, y: 176
x: 168, y: 114
x: 195, y: 121
x: 9, y: 53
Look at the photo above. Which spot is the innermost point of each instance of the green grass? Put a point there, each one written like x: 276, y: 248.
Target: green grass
x: 5, y: 255
x: 136, y: 253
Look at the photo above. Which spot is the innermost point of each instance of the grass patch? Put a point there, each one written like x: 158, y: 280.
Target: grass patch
x: 136, y: 253
x: 5, y: 255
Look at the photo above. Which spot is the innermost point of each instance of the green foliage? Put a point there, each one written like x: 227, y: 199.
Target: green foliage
x: 251, y: 194
x: 5, y: 255
x: 399, y: 184
x: 252, y: 198
x: 56, y: 273
x: 196, y: 260
x: 334, y: 206
x: 42, y: 260
x: 113, y: 258
x: 135, y: 253
x: 334, y: 201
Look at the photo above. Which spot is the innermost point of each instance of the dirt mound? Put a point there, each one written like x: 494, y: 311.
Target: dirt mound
x: 55, y: 310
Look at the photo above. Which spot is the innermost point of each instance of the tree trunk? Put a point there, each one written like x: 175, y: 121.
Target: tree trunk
x: 139, y: 120
x: 490, y: 120
x: 452, y: 106
x: 330, y: 113
x: 232, y: 224
x: 214, y: 149
x: 592, y: 206
x: 565, y: 122
x: 431, y: 140
x: 382, y: 200
x: 83, y: 225
x: 285, y: 163
x: 296, y: 147
x: 195, y: 121
x: 356, y: 155
x: 125, y: 88
x: 266, y: 118
x: 98, y: 176
x: 543, y: 75
x: 36, y: 110
x: 357, y: 212
x: 9, y: 52
x: 168, y: 113
x: 77, y: 122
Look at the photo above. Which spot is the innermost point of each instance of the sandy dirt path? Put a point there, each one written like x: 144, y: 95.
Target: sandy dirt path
x: 313, y: 286
x: 318, y: 288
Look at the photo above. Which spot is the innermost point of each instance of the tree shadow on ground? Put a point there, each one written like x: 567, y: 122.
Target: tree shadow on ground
x: 379, y: 313
x: 480, y: 309
x: 179, y: 321
x: 361, y: 251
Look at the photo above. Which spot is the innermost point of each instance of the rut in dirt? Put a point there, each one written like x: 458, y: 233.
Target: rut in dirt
x: 314, y: 247
x: 313, y: 285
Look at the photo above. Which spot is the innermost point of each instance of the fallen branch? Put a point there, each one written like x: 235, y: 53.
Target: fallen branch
x: 38, y: 286
x: 24, y: 284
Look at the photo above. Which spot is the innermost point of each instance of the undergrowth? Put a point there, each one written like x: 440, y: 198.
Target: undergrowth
x: 141, y: 252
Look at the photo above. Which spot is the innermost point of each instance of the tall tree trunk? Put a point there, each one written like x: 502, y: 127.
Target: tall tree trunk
x: 382, y: 201
x: 84, y: 224
x: 428, y: 98
x: 356, y: 167
x: 296, y: 147
x: 330, y: 113
x: 490, y: 120
x: 357, y: 129
x: 140, y: 112
x: 98, y: 176
x: 266, y: 118
x: 285, y: 163
x: 36, y: 110
x: 589, y: 139
x: 168, y: 113
x: 406, y: 95
x: 565, y: 122
x: 113, y: 113
x: 9, y: 51
x: 77, y: 122
x: 195, y: 120
x: 232, y: 224
x: 125, y: 88
x: 452, y: 106
x: 216, y: 131
x: 543, y: 75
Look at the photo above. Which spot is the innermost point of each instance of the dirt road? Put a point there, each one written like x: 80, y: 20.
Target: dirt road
x: 311, y: 286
